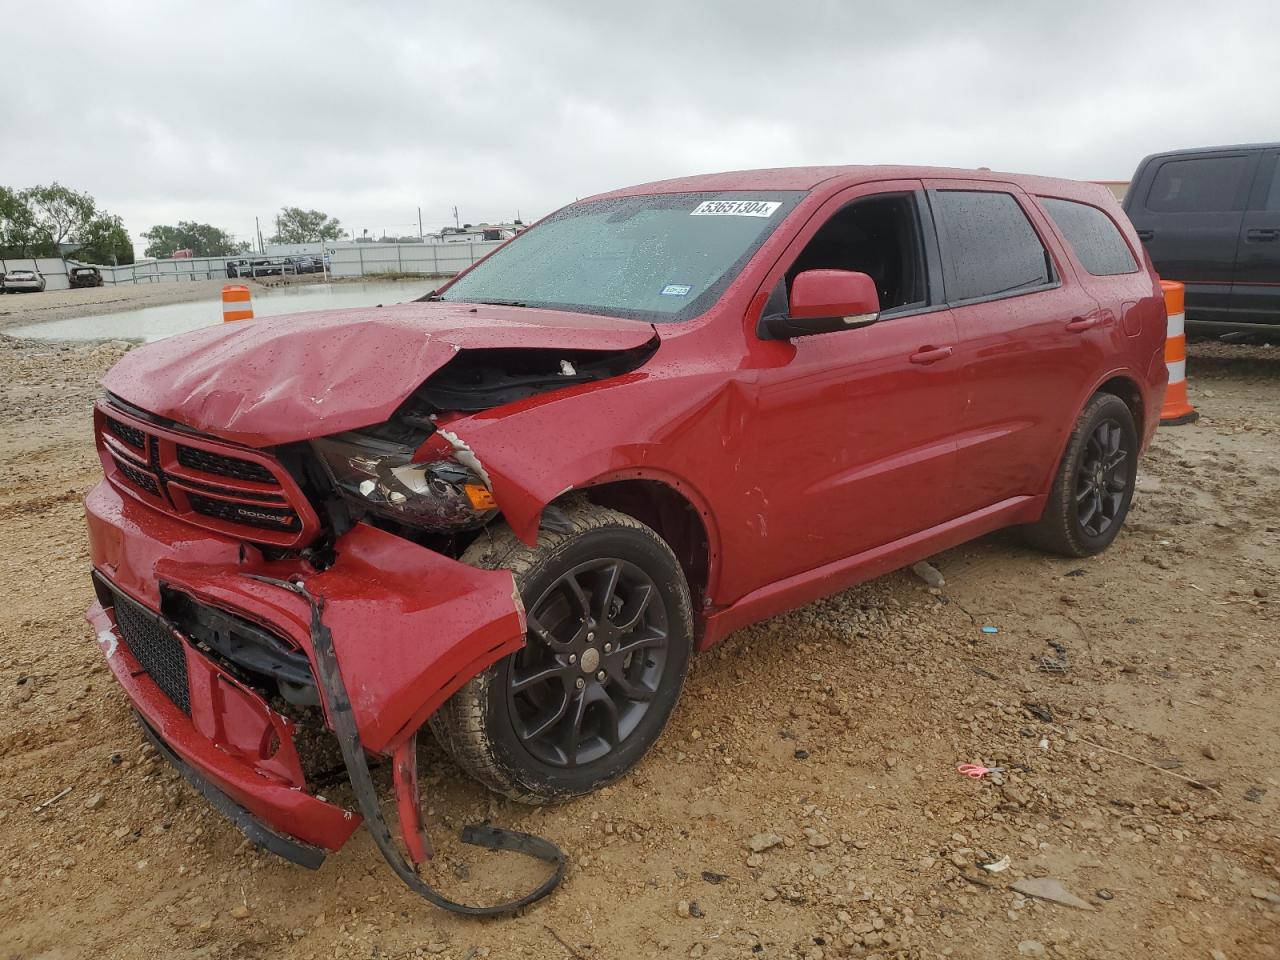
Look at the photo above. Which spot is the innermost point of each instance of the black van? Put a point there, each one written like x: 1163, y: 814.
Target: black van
x: 1210, y: 217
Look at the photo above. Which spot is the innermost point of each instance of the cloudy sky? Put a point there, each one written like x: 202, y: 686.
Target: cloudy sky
x: 223, y: 111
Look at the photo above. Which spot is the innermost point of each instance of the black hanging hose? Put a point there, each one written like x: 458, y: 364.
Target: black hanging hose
x: 490, y: 838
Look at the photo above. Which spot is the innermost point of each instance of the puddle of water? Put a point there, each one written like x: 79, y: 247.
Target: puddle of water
x: 155, y: 323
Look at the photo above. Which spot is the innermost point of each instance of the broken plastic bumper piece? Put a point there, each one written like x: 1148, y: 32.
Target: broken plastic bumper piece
x: 390, y: 631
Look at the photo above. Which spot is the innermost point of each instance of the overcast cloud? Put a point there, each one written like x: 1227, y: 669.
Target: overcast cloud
x: 223, y: 111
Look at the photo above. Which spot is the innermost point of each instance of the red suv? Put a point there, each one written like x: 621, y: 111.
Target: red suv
x: 514, y: 509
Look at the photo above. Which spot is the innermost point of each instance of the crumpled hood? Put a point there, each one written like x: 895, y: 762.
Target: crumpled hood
x: 281, y: 379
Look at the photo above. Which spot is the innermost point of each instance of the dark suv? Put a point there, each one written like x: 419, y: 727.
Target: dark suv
x: 1210, y: 217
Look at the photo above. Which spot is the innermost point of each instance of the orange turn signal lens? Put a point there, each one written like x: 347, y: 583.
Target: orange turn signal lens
x: 480, y: 497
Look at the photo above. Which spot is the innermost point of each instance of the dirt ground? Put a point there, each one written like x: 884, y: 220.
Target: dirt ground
x: 829, y: 738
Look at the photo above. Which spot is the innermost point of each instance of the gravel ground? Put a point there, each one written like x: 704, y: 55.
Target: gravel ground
x: 804, y: 801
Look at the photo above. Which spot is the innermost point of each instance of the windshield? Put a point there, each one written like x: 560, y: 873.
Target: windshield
x: 660, y: 258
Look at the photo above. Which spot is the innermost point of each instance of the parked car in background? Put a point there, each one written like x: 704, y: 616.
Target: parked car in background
x: 24, y: 281
x: 303, y: 264
x: 261, y: 267
x: 84, y: 277
x: 1210, y: 218
x: 513, y: 510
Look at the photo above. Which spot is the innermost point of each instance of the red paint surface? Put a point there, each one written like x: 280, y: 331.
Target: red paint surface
x: 812, y: 464
x: 218, y: 740
x: 288, y: 378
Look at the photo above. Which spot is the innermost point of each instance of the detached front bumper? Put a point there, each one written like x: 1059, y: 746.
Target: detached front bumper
x: 409, y: 627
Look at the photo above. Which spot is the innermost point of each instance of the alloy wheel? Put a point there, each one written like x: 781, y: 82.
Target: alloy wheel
x: 1102, y: 479
x: 594, y: 655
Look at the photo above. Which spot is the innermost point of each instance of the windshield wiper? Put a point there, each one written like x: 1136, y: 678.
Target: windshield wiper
x: 502, y: 303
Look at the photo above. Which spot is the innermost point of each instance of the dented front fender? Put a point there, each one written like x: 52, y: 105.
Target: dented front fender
x: 685, y: 428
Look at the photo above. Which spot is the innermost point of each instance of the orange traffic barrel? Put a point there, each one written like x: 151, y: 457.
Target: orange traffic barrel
x: 1177, y: 409
x: 236, y: 303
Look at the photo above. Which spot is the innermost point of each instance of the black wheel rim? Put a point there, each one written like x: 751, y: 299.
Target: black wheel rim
x: 1102, y: 480
x: 594, y: 657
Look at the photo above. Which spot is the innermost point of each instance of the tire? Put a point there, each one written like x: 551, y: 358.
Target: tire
x: 1094, y: 485
x: 512, y: 727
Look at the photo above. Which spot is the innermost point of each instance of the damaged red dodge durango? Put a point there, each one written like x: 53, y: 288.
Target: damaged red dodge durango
x: 514, y: 509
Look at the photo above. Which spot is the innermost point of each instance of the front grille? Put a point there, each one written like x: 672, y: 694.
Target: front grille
x: 236, y: 491
x: 131, y: 436
x: 155, y: 647
x: 144, y: 480
x: 198, y: 459
x: 250, y: 514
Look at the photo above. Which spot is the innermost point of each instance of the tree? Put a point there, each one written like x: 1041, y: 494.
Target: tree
x: 60, y: 212
x: 18, y: 233
x: 104, y: 240
x: 202, y: 239
x: 295, y: 225
x: 34, y: 223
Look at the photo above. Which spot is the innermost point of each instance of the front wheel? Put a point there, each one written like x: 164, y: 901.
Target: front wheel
x: 610, y: 630
x: 1094, y: 485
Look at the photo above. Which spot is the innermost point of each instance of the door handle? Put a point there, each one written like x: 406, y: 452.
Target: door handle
x: 1078, y: 324
x: 1262, y: 233
x: 1146, y: 234
x: 930, y: 354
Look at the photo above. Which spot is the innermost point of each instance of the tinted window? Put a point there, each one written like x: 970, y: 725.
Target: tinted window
x: 1273, y: 196
x: 988, y: 245
x: 1093, y: 236
x: 1200, y: 185
x: 878, y: 236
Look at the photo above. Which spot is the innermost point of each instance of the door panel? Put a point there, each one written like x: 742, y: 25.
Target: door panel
x: 1024, y: 358
x: 853, y: 435
x: 1255, y: 296
x: 1022, y: 365
x: 857, y: 438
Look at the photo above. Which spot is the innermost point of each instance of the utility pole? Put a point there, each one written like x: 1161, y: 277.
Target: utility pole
x: 257, y: 228
x: 455, y: 216
x: 419, y: 224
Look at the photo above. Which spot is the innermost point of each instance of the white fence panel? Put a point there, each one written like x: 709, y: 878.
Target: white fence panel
x: 356, y: 260
x: 53, y: 268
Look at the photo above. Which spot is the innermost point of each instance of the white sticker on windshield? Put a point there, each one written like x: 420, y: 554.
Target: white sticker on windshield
x: 735, y: 208
x: 676, y: 290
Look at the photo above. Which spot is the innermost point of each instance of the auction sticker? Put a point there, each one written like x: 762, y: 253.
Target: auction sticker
x: 735, y: 208
x: 676, y: 290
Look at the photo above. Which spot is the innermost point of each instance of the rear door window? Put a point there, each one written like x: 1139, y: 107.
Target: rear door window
x: 1093, y: 236
x: 1272, y: 199
x: 988, y: 245
x: 1198, y: 185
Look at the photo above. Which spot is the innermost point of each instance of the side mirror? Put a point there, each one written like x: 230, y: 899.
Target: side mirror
x: 823, y: 301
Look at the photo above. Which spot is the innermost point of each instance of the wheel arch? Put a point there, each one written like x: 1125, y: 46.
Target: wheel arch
x: 1125, y: 387
x: 672, y: 509
x: 1122, y: 383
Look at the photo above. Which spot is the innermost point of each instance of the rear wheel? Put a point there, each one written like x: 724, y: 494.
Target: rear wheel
x: 610, y: 629
x: 1091, y: 493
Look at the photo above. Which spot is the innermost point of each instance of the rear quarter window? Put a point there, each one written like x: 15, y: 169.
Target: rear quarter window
x: 988, y: 245
x: 1197, y: 185
x: 1093, y: 236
